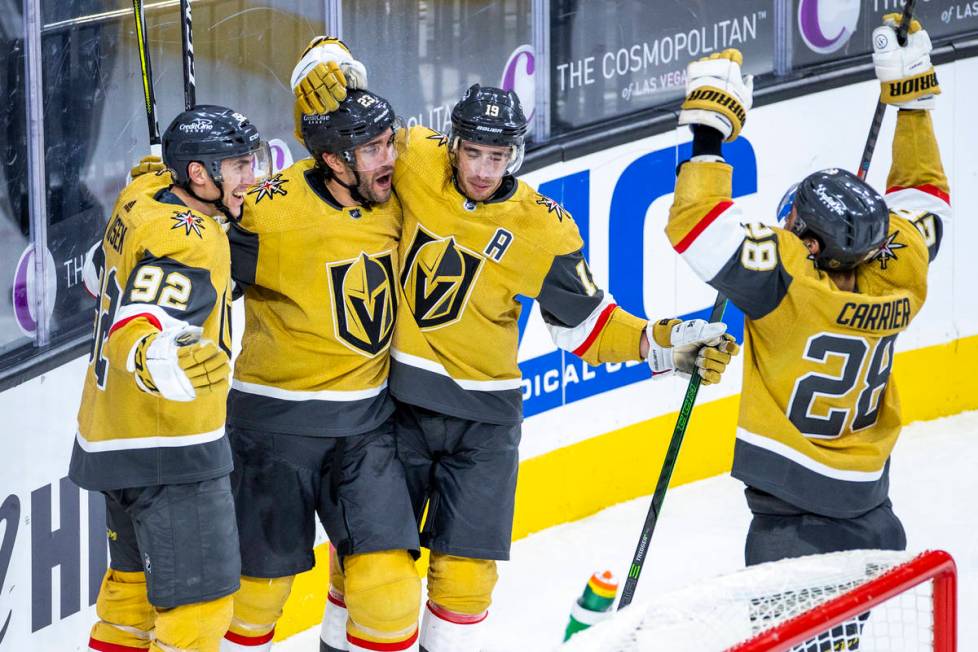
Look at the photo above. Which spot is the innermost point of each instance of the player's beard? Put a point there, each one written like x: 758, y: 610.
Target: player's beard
x: 370, y: 190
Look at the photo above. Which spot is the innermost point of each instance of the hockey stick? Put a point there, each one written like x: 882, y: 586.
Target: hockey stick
x: 874, y: 129
x: 149, y: 97
x: 187, y: 50
x: 672, y: 455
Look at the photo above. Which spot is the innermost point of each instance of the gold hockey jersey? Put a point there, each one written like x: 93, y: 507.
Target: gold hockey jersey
x: 818, y: 413
x: 160, y: 265
x: 320, y: 302
x: 463, y: 265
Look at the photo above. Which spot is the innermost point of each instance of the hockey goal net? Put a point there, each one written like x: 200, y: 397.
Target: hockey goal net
x: 865, y: 600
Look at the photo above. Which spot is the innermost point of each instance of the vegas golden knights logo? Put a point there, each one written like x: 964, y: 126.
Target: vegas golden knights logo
x: 437, y: 277
x: 364, y: 301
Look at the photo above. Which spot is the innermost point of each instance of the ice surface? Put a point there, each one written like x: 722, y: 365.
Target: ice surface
x: 934, y: 488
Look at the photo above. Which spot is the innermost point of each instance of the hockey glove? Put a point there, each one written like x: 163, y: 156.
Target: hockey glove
x: 683, y: 347
x: 907, y: 77
x: 717, y: 95
x: 320, y: 79
x: 177, y: 365
x: 146, y: 165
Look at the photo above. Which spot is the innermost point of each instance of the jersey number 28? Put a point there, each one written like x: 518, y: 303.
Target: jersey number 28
x: 873, y: 379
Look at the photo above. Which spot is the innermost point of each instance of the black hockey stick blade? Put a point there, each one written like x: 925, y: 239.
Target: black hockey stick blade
x: 668, y: 465
x: 874, y: 128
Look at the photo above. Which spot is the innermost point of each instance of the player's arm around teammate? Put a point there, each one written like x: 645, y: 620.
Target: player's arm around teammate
x: 309, y: 413
x: 475, y: 237
x: 151, y: 424
x: 606, y: 333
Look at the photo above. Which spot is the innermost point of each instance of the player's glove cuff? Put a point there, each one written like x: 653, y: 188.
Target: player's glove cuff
x: 155, y: 363
x: 675, y: 346
x: 917, y: 92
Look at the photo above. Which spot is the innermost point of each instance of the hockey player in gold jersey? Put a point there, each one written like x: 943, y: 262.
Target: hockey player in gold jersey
x: 474, y: 238
x: 310, y: 418
x: 151, y: 423
x: 825, y: 297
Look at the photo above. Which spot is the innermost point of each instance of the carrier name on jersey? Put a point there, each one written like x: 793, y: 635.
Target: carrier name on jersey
x: 438, y: 277
x: 876, y: 316
x: 364, y: 300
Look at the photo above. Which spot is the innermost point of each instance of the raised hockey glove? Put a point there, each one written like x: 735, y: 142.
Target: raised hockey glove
x: 717, y: 95
x: 177, y: 365
x: 320, y: 80
x: 685, y: 347
x: 907, y: 77
x: 146, y: 165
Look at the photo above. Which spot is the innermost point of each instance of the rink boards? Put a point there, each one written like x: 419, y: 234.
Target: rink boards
x: 593, y: 436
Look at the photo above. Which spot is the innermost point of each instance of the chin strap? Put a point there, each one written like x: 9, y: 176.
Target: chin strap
x: 216, y: 203
x: 353, y: 189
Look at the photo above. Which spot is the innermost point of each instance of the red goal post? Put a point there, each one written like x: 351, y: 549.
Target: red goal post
x: 865, y: 600
x: 933, y: 565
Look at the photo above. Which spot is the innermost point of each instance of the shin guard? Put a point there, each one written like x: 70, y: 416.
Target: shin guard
x: 126, y: 618
x: 257, y: 607
x: 199, y: 626
x: 383, y: 592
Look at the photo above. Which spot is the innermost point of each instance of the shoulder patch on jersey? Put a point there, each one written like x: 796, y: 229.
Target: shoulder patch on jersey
x: 440, y: 138
x: 551, y: 206
x: 189, y: 222
x: 886, y: 252
x: 269, y: 188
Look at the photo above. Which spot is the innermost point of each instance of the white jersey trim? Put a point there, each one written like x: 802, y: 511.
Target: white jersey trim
x: 801, y: 459
x: 472, y: 385
x: 337, y: 395
x: 134, y: 309
x: 140, y: 443
x: 569, y: 339
x: 916, y: 201
x: 712, y: 248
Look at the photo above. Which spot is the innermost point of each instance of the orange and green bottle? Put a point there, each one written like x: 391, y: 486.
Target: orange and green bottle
x: 594, y: 605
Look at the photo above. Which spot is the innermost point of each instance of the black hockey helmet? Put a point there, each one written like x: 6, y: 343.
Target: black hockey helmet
x: 360, y: 118
x: 847, y: 216
x: 208, y: 134
x: 490, y: 116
